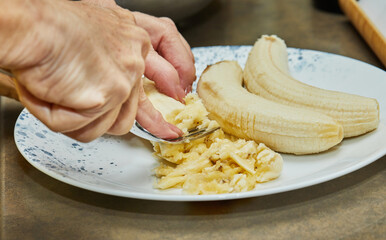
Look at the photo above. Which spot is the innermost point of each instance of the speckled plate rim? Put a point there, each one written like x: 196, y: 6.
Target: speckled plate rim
x: 158, y: 195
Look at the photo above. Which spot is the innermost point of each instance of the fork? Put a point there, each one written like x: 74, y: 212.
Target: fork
x: 6, y: 72
x: 193, y: 134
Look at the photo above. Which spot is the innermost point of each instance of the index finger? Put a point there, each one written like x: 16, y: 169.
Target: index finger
x: 170, y: 44
x: 174, y: 48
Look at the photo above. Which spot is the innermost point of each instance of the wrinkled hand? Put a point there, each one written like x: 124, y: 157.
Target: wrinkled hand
x: 170, y: 63
x: 79, y: 71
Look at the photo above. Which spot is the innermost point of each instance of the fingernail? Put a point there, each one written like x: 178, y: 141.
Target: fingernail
x: 181, y: 94
x: 170, y: 135
x: 175, y: 129
x: 170, y: 132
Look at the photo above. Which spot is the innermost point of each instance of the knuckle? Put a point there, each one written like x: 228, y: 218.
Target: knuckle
x: 168, y: 22
x: 168, y: 25
x: 122, y: 91
x: 129, y: 16
x: 140, y: 65
x: 145, y: 49
x: 141, y: 34
x: 122, y: 127
x: 135, y: 65
x: 140, y: 40
x: 145, y: 40
x: 188, y: 69
x: 96, y: 102
x: 99, y: 103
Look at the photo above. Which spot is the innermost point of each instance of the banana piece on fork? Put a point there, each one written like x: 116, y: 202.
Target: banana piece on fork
x: 266, y: 74
x: 246, y: 115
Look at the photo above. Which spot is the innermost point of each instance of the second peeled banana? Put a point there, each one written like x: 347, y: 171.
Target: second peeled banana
x: 267, y: 74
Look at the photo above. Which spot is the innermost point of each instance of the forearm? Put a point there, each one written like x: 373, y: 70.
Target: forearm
x: 25, y: 26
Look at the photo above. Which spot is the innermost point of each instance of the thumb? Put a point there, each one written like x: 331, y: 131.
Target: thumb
x: 152, y: 120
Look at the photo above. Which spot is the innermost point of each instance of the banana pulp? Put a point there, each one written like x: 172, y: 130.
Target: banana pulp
x: 217, y: 163
x: 266, y: 74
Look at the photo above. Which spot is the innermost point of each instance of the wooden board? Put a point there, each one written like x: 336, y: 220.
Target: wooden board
x: 366, y: 27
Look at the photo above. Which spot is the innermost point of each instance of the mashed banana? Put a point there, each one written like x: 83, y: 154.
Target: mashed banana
x: 217, y: 163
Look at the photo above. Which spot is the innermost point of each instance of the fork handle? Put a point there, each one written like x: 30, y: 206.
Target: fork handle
x: 6, y: 72
x: 7, y: 86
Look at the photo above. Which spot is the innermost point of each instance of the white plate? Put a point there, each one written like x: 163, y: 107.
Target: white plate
x: 123, y: 166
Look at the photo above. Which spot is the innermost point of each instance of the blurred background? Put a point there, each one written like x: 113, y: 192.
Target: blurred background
x: 310, y: 24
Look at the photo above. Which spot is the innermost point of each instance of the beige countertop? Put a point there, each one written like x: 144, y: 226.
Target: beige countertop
x: 36, y: 206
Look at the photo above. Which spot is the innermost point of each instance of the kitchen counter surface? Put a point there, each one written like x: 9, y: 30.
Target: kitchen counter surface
x: 36, y: 206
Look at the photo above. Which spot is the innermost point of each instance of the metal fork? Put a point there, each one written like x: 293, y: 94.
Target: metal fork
x: 193, y: 134
x: 6, y: 72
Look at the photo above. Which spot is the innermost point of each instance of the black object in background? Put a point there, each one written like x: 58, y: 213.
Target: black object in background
x: 327, y: 5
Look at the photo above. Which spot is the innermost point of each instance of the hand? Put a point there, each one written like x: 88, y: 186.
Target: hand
x: 170, y: 63
x: 79, y: 70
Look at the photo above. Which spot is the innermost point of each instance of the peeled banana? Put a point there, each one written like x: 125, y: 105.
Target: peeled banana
x: 266, y: 74
x: 243, y: 114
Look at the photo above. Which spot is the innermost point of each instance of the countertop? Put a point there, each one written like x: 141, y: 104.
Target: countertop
x: 36, y: 206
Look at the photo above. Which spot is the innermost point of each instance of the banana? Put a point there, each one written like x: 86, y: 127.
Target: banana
x: 266, y: 74
x: 167, y: 106
x: 245, y: 115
